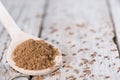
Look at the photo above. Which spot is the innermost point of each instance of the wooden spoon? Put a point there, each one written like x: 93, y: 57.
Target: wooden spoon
x: 18, y: 37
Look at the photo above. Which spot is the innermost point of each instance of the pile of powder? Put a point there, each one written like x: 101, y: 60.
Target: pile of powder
x: 35, y: 55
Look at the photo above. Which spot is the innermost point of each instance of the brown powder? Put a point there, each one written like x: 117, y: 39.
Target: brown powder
x: 35, y: 55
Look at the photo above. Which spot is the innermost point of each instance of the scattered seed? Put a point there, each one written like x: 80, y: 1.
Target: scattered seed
x: 87, y: 71
x: 94, y: 54
x: 72, y: 77
x: 113, y: 50
x: 107, y: 77
x: 84, y: 79
x: 102, y: 41
x: 107, y: 57
x: 83, y: 49
x: 81, y: 64
x: 71, y: 33
x: 94, y: 60
x: 84, y: 60
x: 73, y: 45
x: 97, y: 38
x: 99, y: 55
x: 68, y: 66
x: 87, y: 68
x: 67, y: 70
x: 92, y: 30
x: 80, y: 25
x: 63, y: 54
x: 57, y: 72
x: 97, y: 44
x: 52, y: 41
x: 84, y: 41
x: 57, y: 42
x: 74, y: 54
x: 109, y: 65
x: 92, y: 75
x: 101, y: 62
x: 52, y: 74
x: 118, y: 69
x: 63, y: 66
x: 80, y: 50
x: 86, y: 49
x: 46, y: 38
x: 54, y: 30
x: 69, y: 42
x: 64, y: 61
x: 67, y: 28
x: 91, y: 62
x: 81, y: 76
x: 114, y: 64
x: 77, y: 71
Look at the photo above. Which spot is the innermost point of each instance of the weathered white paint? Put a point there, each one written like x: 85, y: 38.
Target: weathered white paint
x: 83, y: 30
x: 28, y: 15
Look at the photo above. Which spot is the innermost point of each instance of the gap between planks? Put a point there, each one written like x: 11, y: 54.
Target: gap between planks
x: 43, y: 17
x: 115, y: 38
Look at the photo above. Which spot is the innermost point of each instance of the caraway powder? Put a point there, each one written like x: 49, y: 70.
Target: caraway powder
x: 35, y: 55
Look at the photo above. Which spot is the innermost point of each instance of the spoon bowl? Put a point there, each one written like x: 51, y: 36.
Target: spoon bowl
x: 18, y: 37
x: 15, y: 42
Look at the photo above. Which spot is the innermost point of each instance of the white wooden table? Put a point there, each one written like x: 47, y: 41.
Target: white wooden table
x: 86, y: 31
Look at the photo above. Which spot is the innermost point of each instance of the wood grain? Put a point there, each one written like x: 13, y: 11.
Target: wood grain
x: 83, y: 31
x: 28, y: 15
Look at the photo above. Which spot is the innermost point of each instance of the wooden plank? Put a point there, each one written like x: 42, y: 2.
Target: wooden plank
x: 83, y: 30
x: 28, y: 15
x: 115, y: 14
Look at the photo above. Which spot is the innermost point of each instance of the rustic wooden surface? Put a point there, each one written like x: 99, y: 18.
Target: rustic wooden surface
x: 87, y: 33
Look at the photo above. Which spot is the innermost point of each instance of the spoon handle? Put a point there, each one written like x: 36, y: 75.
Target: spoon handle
x: 8, y: 21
